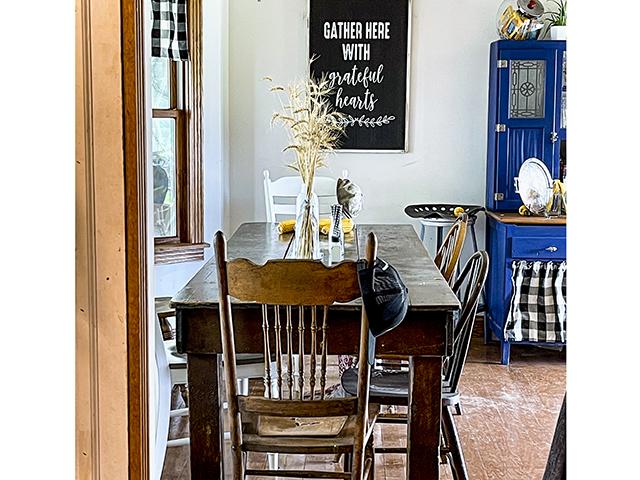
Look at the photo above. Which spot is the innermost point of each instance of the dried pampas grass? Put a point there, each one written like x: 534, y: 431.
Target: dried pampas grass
x: 313, y: 126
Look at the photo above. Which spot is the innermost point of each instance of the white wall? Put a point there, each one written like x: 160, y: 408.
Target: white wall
x: 448, y: 108
x: 171, y: 278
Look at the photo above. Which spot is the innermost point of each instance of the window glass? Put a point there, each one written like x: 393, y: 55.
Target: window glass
x: 160, y: 89
x: 164, y: 176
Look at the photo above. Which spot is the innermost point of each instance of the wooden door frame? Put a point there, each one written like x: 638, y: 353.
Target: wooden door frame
x: 135, y: 160
x: 112, y: 364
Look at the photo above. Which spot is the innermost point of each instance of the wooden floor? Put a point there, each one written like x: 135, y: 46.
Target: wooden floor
x: 509, y: 415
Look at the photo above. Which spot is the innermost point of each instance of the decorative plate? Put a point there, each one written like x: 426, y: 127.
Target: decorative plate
x: 535, y: 186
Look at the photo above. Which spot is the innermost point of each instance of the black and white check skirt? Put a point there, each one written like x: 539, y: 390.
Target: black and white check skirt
x: 538, y: 308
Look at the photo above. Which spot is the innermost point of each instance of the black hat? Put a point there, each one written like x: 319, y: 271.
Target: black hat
x: 385, y: 298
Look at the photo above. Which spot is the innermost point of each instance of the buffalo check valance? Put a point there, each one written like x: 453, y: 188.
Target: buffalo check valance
x: 538, y: 309
x: 169, y: 29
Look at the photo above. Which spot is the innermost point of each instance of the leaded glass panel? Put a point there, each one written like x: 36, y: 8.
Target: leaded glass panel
x: 526, y: 80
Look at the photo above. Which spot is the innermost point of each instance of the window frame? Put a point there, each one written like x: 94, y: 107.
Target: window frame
x: 185, y: 107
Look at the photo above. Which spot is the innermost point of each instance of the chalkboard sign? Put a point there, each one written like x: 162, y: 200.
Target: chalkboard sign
x: 362, y: 48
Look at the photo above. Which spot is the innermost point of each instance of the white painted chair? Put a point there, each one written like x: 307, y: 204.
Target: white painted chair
x: 280, y: 204
x: 172, y: 371
x: 280, y: 195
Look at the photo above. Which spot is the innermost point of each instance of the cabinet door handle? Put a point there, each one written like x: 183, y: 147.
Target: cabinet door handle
x: 554, y: 137
x: 551, y: 249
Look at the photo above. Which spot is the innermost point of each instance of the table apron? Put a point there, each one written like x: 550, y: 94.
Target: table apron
x: 425, y: 333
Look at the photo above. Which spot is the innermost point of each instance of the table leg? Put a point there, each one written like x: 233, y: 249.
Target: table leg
x: 425, y: 408
x: 438, y: 239
x: 205, y: 425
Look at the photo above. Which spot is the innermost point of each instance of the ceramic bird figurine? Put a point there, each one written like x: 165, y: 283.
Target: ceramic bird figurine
x: 349, y: 196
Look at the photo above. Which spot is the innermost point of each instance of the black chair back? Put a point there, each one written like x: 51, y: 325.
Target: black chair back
x: 468, y: 287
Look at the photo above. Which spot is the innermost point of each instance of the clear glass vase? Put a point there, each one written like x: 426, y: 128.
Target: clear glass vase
x: 306, y: 243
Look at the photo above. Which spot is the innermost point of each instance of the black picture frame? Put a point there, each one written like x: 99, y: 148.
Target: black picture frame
x: 364, y: 48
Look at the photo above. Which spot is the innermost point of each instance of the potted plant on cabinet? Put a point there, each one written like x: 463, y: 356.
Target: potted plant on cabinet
x: 558, y: 21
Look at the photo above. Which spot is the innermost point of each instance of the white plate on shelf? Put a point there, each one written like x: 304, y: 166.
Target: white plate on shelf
x: 535, y: 185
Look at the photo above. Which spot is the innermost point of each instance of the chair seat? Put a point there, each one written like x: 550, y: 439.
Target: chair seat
x: 437, y: 222
x: 443, y: 222
x: 307, y: 444
x: 442, y: 211
x: 394, y: 385
x: 384, y: 383
x: 174, y: 359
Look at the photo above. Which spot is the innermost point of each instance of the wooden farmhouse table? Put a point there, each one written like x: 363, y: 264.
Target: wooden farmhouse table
x: 425, y: 336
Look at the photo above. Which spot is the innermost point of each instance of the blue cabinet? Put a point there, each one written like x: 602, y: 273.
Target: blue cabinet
x: 512, y: 238
x: 527, y: 95
x: 527, y: 99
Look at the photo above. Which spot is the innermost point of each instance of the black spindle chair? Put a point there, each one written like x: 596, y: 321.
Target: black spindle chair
x: 392, y: 387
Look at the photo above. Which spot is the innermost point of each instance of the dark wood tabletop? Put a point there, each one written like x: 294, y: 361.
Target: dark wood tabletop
x: 397, y: 244
x: 425, y: 336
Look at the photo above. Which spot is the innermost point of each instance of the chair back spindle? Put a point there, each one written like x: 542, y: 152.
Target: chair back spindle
x: 448, y: 254
x: 323, y: 357
x: 278, y: 342
x: 289, y: 352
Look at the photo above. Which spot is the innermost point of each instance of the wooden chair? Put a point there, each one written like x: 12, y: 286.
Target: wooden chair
x: 295, y: 419
x: 448, y: 254
x: 446, y: 260
x: 280, y: 195
x: 392, y: 387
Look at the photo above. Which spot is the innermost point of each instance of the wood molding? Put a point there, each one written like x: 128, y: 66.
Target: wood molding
x: 135, y: 158
x: 111, y: 322
x: 102, y: 450
x: 87, y: 375
x: 193, y: 74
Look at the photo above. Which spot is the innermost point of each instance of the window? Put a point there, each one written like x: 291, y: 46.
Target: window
x: 167, y: 146
x: 176, y: 151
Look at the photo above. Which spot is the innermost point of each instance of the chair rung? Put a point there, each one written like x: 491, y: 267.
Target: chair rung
x: 392, y: 421
x: 392, y: 415
x: 297, y: 473
x: 395, y: 418
x: 180, y: 412
x: 178, y: 442
x: 378, y: 450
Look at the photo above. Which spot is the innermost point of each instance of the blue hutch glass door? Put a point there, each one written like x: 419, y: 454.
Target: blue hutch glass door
x: 526, y: 111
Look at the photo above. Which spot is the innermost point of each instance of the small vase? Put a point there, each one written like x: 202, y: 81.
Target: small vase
x: 559, y: 32
x: 306, y: 243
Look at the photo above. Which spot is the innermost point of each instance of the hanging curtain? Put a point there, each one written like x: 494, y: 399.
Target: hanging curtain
x: 538, y: 309
x: 169, y: 29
